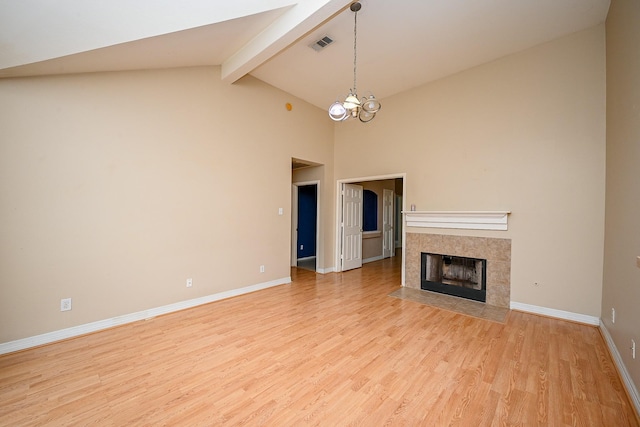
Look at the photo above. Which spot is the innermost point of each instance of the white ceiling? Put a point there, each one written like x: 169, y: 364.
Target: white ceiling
x: 400, y: 44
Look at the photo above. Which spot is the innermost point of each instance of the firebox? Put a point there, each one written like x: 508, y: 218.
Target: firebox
x: 454, y: 275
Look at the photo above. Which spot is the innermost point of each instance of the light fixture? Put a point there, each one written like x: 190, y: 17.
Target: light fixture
x: 364, y: 109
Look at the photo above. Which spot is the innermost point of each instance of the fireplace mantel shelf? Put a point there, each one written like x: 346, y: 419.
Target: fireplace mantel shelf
x: 473, y: 220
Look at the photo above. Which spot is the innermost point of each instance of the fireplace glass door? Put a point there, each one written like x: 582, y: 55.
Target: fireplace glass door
x: 454, y: 275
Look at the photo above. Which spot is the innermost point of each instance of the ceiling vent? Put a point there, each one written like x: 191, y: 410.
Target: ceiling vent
x: 318, y: 45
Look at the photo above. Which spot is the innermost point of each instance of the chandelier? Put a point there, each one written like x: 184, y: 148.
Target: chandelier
x: 364, y: 109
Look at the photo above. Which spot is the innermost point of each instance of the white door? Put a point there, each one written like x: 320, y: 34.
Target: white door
x: 351, y: 226
x: 388, y: 243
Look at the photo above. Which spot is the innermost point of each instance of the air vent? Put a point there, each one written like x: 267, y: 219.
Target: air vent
x: 318, y: 45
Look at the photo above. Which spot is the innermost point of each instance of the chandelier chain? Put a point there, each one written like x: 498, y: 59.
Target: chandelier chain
x: 355, y: 38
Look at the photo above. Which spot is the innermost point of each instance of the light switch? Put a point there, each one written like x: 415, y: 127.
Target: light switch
x: 280, y: 211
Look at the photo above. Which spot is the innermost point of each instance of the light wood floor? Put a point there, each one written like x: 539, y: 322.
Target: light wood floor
x: 328, y: 350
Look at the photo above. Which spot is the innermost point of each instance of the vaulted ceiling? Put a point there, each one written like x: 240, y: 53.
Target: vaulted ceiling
x: 400, y: 44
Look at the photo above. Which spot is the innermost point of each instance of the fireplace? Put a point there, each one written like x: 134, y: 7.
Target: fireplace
x: 454, y: 275
x: 496, y: 251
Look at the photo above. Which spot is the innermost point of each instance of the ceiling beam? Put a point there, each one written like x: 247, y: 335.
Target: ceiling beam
x: 293, y: 24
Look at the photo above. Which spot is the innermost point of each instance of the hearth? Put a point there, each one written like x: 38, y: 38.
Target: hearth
x: 454, y: 275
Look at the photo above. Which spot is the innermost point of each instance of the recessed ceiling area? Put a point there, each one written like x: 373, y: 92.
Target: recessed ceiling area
x: 401, y: 45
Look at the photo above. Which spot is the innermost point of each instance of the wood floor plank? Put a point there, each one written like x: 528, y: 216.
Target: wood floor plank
x: 330, y: 349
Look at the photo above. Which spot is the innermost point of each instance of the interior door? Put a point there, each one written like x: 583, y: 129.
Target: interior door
x: 388, y: 241
x: 351, y: 226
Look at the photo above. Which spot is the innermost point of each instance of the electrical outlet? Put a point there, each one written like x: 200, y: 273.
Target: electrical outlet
x: 262, y: 269
x: 633, y: 349
x: 65, y: 304
x: 189, y: 283
x: 613, y: 315
x: 301, y: 247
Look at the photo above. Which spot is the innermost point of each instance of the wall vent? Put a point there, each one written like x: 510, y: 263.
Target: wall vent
x: 318, y: 45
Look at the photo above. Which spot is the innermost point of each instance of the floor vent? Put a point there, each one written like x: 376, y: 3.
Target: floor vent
x: 318, y: 45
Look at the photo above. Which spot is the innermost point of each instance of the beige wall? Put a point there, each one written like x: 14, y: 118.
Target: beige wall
x: 525, y: 133
x: 117, y: 187
x: 621, y: 288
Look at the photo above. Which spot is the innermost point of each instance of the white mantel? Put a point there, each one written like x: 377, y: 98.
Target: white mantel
x: 473, y: 220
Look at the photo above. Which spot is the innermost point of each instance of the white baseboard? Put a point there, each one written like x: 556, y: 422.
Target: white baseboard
x: 617, y: 359
x: 552, y: 312
x: 306, y: 258
x: 326, y: 270
x: 372, y: 259
x: 49, y: 337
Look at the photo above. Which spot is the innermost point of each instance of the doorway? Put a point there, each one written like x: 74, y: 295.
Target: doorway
x: 381, y: 242
x: 306, y: 201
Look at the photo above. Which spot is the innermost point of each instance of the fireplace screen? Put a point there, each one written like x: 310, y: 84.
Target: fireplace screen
x: 454, y: 275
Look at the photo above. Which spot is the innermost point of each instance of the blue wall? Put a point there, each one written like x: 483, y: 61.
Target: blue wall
x: 307, y: 219
x: 370, y: 211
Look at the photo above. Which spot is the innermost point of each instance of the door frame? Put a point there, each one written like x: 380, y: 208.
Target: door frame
x: 338, y: 214
x: 294, y: 221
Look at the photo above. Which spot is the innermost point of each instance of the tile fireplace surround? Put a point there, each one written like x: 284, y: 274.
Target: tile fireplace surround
x: 497, y: 252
